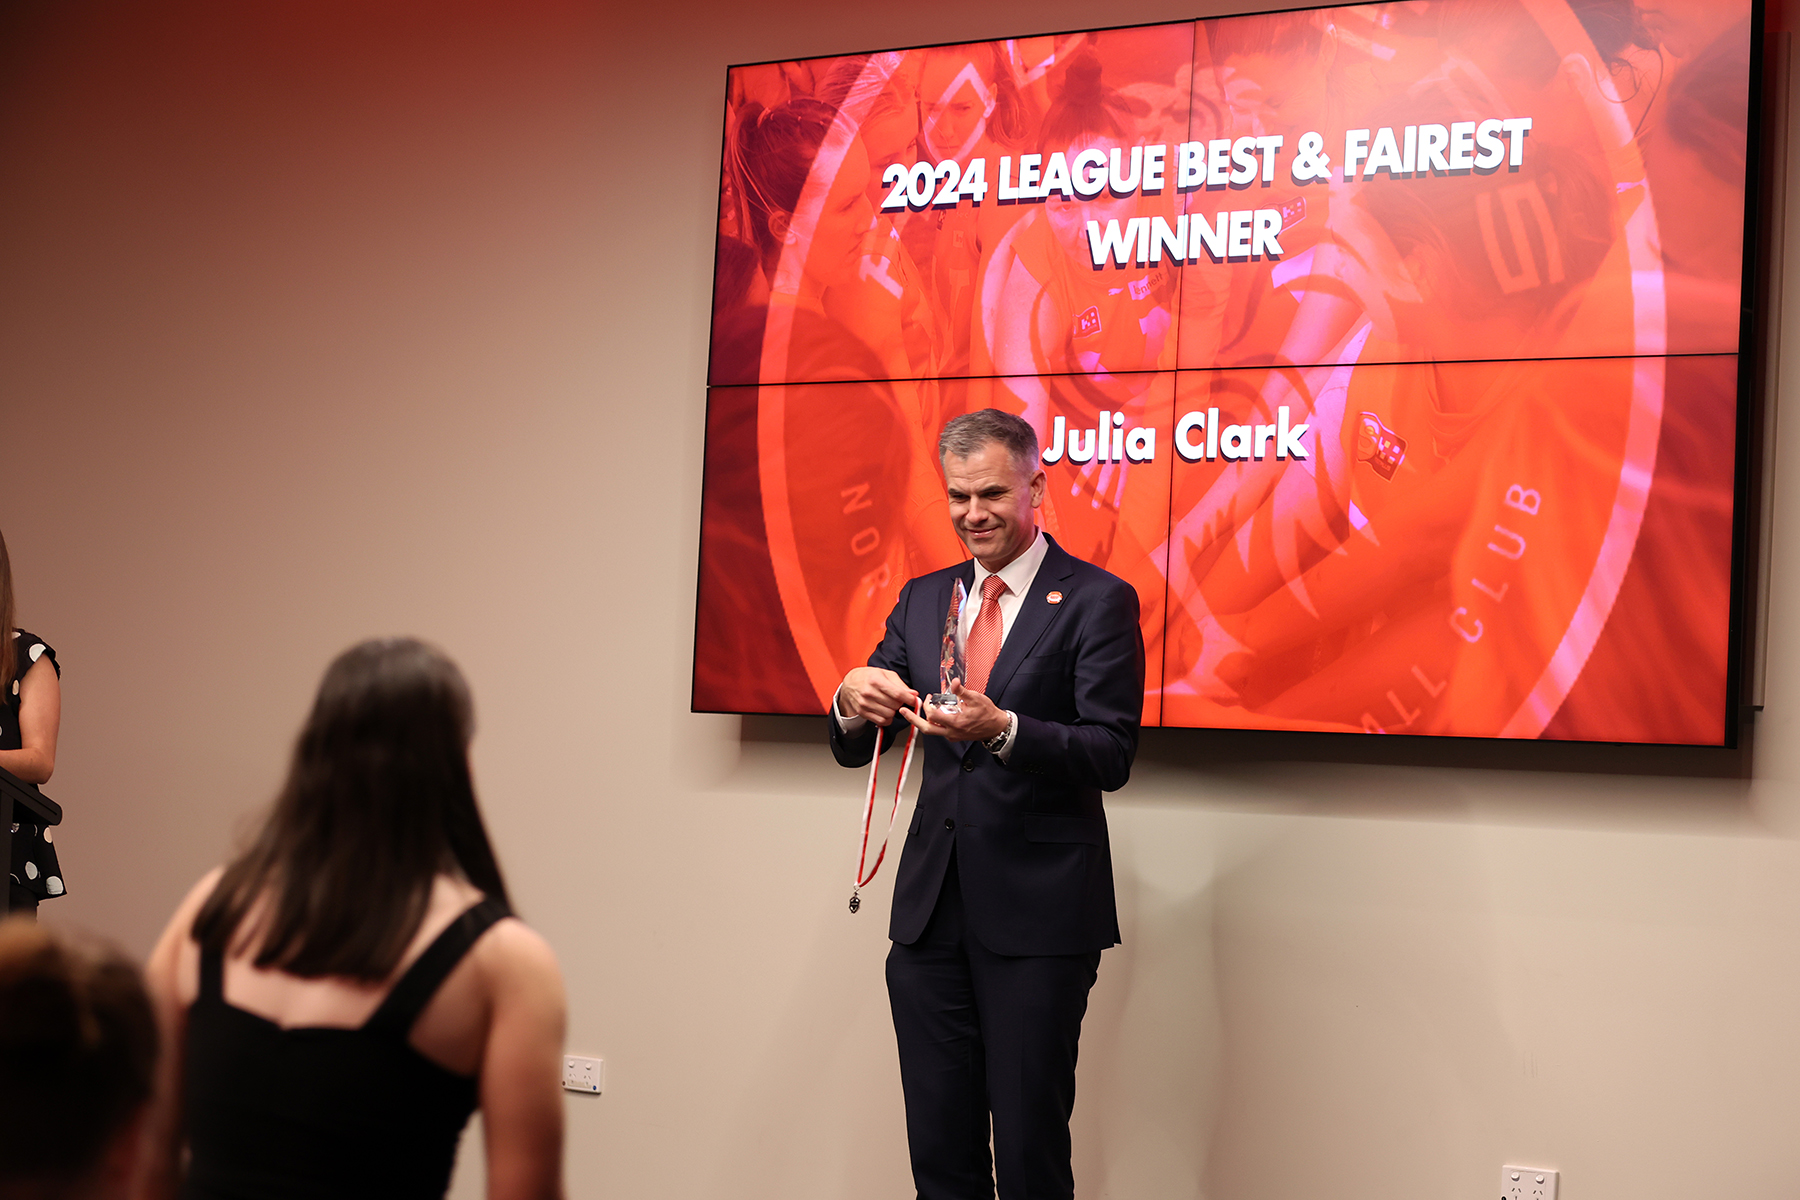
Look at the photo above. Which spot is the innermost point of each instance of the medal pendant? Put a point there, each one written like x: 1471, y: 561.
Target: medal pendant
x: 855, y: 901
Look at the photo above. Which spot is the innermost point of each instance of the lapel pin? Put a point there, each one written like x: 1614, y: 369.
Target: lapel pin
x: 1054, y: 597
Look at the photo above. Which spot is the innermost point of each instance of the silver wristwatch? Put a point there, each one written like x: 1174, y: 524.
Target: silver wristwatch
x: 997, y: 743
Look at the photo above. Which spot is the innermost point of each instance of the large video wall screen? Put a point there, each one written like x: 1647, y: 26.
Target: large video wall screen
x: 1390, y: 351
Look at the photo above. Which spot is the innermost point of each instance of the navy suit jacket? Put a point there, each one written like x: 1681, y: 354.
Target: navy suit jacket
x: 1032, y: 853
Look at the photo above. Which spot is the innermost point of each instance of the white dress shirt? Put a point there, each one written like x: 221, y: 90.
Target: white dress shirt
x: 1018, y: 574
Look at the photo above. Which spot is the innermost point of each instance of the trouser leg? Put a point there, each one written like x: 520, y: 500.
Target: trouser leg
x: 943, y: 1062
x: 1031, y: 1010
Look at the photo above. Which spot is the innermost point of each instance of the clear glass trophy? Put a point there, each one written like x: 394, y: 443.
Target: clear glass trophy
x: 953, y: 664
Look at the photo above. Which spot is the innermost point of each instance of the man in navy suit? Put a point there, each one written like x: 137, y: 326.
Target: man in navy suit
x: 1004, y: 896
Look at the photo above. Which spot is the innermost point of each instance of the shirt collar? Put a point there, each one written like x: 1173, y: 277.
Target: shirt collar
x: 1018, y: 573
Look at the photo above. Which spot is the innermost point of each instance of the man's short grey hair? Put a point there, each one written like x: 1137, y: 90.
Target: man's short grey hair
x: 972, y: 432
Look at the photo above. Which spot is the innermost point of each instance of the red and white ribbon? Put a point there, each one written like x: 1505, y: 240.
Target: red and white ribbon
x: 862, y: 880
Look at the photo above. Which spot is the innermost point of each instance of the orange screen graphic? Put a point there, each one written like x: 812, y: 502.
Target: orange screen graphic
x: 1390, y: 352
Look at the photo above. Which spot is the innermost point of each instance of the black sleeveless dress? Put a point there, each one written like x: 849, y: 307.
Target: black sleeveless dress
x: 34, y: 874
x: 293, y: 1114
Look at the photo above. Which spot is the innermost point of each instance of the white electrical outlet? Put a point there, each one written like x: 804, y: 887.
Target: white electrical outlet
x: 1527, y: 1183
x: 583, y: 1074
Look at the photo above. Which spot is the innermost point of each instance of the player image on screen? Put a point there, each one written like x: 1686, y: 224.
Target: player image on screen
x: 1429, y: 485
x: 1071, y: 345
x: 1694, y: 140
x: 821, y: 472
x: 1267, y: 76
x: 1424, y: 271
x: 1355, y: 280
x: 802, y: 174
x: 1069, y: 341
x: 1452, y: 451
x: 971, y: 108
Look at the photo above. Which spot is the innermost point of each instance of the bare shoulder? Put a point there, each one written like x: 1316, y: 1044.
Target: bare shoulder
x: 513, y: 946
x: 519, y: 965
x: 198, y: 894
x: 173, y: 969
x: 42, y: 673
x: 190, y: 905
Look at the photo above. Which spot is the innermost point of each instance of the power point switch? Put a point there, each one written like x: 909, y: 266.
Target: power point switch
x: 583, y: 1074
x: 1527, y: 1183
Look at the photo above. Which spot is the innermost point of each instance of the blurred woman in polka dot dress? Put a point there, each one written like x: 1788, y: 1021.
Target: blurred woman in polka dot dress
x: 30, y: 682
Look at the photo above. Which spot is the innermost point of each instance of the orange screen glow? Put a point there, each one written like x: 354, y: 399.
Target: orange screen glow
x: 1390, y: 351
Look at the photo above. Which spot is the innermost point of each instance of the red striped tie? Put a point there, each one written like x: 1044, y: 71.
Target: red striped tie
x: 984, y: 635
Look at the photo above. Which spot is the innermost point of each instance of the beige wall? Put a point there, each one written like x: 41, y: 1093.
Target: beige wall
x: 374, y: 318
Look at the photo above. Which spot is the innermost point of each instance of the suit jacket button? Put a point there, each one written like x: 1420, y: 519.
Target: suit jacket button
x: 949, y: 822
x: 969, y: 763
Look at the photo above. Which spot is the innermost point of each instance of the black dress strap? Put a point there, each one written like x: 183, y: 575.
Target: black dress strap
x: 415, y: 989
x: 212, y: 975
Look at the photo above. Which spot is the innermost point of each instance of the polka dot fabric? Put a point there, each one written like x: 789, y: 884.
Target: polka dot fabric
x: 34, y: 866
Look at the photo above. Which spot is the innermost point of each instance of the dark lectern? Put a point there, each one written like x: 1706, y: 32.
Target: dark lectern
x: 21, y: 802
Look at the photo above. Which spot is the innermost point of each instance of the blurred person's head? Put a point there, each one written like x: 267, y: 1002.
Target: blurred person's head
x: 1087, y: 114
x: 378, y: 802
x: 1087, y: 111
x: 78, y: 1048
x: 774, y: 154
x: 1615, y: 27
x: 880, y: 95
x: 1686, y: 27
x: 1271, y: 69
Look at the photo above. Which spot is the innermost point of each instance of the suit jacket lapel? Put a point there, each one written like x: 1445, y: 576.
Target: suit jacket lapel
x: 1035, y: 617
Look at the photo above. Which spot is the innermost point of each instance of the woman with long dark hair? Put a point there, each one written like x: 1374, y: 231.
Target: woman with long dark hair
x: 30, y: 715
x: 339, y: 998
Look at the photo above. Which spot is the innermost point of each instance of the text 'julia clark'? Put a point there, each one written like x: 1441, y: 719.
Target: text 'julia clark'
x: 1199, y: 437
